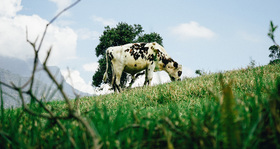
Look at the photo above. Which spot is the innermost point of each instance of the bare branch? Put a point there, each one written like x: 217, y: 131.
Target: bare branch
x: 72, y: 112
x: 77, y: 99
x: 95, y: 138
x: 59, y: 87
x: 64, y: 11
x: 54, y: 20
x: 2, y: 133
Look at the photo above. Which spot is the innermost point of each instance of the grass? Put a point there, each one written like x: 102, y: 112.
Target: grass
x: 235, y: 109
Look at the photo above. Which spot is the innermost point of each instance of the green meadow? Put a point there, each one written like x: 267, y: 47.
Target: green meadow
x: 232, y: 109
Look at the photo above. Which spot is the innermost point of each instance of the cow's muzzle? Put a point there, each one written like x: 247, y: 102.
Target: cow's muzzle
x: 173, y: 79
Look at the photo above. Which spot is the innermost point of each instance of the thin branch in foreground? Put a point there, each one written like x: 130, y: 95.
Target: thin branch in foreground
x: 52, y: 20
x: 77, y: 99
x: 72, y: 114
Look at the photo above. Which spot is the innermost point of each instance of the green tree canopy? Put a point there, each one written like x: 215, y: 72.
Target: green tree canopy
x: 119, y: 35
x: 274, y: 49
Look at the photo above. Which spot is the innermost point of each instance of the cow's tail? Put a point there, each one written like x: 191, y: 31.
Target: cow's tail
x: 105, y: 76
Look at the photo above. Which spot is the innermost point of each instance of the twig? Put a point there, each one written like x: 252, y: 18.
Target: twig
x: 95, y: 138
x: 52, y: 20
x: 72, y: 114
x: 72, y: 111
x: 77, y: 99
x: 59, y: 86
x: 127, y: 127
x: 6, y: 135
x: 50, y: 116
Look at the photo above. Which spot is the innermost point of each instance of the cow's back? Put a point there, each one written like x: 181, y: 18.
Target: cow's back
x: 134, y: 57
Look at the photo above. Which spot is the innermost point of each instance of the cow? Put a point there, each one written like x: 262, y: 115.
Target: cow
x: 133, y: 58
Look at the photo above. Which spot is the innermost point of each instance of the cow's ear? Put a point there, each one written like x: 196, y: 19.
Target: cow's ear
x: 175, y: 64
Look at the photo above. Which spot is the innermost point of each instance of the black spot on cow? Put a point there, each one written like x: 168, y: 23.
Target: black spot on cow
x: 136, y: 46
x: 175, y: 65
x: 136, y: 56
x: 150, y: 57
x: 135, y: 65
x: 143, y: 48
x: 159, y: 54
x: 138, y: 50
x: 143, y: 44
x: 165, y: 61
x: 162, y: 57
x: 142, y: 56
x: 127, y: 50
x: 111, y: 55
x: 179, y: 73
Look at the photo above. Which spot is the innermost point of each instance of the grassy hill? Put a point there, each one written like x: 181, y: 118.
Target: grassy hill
x: 238, y: 108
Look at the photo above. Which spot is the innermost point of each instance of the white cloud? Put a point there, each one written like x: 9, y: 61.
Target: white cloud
x: 91, y: 67
x: 77, y: 81
x: 86, y: 34
x: 13, y: 39
x: 62, y: 39
x: 192, y: 30
x: 105, y: 22
x: 9, y: 8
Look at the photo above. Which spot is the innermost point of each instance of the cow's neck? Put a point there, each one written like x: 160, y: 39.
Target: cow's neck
x: 161, y: 63
x: 161, y: 59
x: 159, y: 66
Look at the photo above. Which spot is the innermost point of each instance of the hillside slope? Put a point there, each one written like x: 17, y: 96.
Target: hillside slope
x: 239, y: 108
x: 18, y: 71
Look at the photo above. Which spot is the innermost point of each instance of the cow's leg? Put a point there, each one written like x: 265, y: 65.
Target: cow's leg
x: 113, y: 79
x: 118, y: 74
x: 132, y: 81
x: 149, y: 75
x: 114, y: 82
x: 134, y: 77
x: 146, y: 78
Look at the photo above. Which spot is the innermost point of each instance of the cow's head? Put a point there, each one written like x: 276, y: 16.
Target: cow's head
x: 174, y: 71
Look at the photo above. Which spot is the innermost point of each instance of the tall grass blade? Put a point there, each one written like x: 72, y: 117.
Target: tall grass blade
x: 228, y: 111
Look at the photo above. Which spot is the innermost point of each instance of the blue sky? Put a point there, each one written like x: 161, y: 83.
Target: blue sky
x: 209, y: 35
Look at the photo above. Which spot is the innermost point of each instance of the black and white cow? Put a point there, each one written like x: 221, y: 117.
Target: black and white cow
x: 135, y: 57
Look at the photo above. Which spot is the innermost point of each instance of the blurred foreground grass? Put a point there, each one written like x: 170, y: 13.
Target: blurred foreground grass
x: 233, y: 109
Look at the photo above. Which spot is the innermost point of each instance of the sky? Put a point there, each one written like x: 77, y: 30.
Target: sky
x: 212, y: 36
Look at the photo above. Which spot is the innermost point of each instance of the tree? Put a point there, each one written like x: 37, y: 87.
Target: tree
x: 274, y: 53
x: 119, y: 35
x: 152, y: 37
x: 274, y: 49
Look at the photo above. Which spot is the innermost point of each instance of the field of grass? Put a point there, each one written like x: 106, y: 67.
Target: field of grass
x: 234, y: 109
